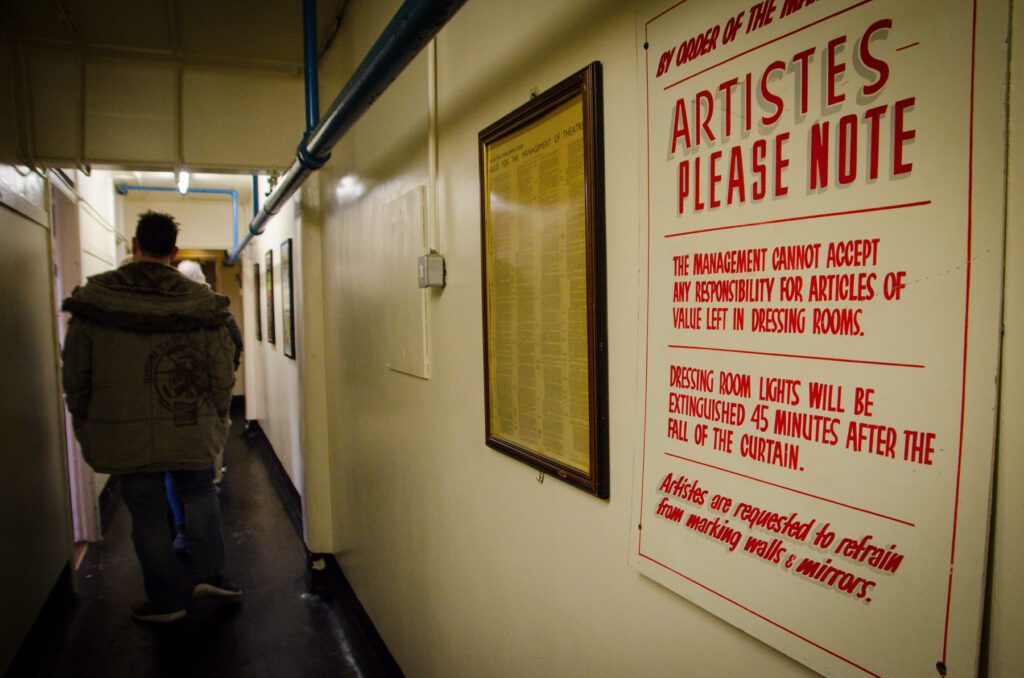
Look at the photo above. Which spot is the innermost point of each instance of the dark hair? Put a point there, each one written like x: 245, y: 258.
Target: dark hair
x: 156, y: 233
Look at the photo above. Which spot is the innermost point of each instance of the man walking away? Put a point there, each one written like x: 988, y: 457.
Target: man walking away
x: 148, y: 375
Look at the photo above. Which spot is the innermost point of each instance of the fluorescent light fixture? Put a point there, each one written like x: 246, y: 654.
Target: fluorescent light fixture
x: 183, y: 182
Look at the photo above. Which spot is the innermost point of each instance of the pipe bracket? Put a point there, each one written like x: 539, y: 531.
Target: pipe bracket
x: 307, y: 159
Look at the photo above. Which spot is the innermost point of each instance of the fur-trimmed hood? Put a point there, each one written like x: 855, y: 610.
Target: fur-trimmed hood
x: 147, y: 297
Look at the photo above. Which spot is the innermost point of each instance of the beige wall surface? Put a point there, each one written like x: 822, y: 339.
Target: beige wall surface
x: 310, y: 338
x: 229, y: 283
x: 272, y: 394
x: 102, y: 249
x: 34, y: 482
x: 252, y: 358
x: 466, y: 563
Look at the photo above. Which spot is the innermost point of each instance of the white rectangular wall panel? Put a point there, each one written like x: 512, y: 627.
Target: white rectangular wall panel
x: 404, y: 307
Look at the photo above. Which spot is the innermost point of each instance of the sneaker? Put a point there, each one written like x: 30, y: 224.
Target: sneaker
x: 148, y: 612
x: 180, y: 543
x: 216, y: 587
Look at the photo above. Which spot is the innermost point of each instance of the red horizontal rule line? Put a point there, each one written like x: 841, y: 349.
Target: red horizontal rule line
x: 760, y: 616
x: 795, y: 355
x: 765, y: 44
x: 783, y: 487
x: 804, y: 217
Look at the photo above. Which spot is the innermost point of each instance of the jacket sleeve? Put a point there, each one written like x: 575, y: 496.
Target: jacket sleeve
x: 221, y: 350
x: 236, y: 338
x: 77, y: 368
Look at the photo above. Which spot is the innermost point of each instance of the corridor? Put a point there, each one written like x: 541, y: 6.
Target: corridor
x: 589, y: 338
x: 275, y: 629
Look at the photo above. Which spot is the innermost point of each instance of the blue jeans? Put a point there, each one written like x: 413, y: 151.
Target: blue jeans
x: 173, y: 501
x: 146, y: 498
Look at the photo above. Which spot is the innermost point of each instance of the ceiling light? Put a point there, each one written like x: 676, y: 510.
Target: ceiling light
x: 183, y: 182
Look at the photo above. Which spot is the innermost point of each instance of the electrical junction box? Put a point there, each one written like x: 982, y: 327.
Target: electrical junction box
x: 432, y: 271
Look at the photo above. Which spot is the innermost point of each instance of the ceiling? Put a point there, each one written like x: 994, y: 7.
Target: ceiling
x: 155, y: 84
x: 239, y: 182
x: 258, y: 34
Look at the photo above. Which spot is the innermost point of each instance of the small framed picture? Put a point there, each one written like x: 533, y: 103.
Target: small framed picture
x: 287, y: 299
x: 259, y: 300
x: 271, y: 334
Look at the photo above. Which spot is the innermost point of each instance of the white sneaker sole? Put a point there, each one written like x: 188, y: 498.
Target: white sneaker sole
x: 163, y: 618
x: 211, y: 591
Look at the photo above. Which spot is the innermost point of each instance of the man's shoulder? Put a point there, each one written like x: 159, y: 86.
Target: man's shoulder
x: 146, y: 297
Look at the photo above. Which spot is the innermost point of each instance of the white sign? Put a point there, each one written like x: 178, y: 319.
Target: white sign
x: 820, y: 333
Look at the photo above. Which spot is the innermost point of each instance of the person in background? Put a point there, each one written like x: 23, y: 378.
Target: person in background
x: 193, y: 271
x: 148, y: 376
x: 180, y: 542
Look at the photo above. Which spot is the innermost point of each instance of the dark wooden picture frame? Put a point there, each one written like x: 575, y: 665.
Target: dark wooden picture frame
x: 287, y: 299
x: 540, y: 167
x: 271, y: 329
x: 259, y: 300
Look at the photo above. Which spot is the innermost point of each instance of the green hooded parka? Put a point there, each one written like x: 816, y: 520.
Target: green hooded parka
x: 148, y: 370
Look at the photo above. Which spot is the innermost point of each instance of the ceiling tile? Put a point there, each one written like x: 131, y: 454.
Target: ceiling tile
x: 137, y: 24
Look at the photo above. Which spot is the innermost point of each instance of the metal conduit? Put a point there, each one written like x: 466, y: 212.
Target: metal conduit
x: 124, y: 188
x: 413, y: 26
x: 310, y: 61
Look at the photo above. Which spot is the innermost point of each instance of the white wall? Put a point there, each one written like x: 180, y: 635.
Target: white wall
x: 273, y: 392
x: 103, y: 247
x: 205, y: 220
x: 97, y: 218
x: 468, y: 565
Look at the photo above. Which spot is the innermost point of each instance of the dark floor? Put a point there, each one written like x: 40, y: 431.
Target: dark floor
x: 276, y: 629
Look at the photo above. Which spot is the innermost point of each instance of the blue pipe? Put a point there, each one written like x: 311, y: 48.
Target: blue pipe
x: 413, y: 26
x: 309, y: 55
x: 255, y: 197
x: 234, y: 214
x: 124, y: 188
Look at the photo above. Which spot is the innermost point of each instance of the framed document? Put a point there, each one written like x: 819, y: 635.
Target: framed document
x: 271, y: 334
x: 542, y: 202
x: 287, y: 299
x: 259, y: 300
